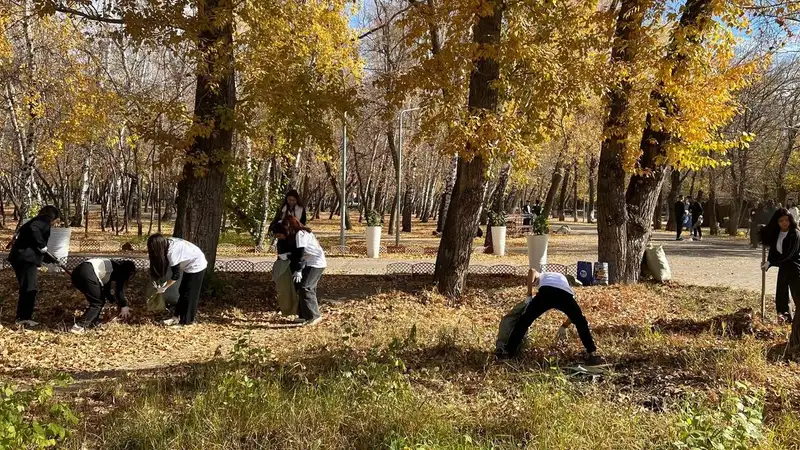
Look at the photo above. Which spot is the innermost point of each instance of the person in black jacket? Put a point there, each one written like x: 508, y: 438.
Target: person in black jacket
x: 292, y: 206
x: 28, y: 253
x: 783, y: 239
x: 93, y: 278
x: 680, y: 213
x: 696, y: 209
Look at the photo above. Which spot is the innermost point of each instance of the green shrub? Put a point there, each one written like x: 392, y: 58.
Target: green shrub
x: 541, y: 225
x: 736, y: 423
x: 32, y: 419
x: 497, y: 218
x: 373, y: 218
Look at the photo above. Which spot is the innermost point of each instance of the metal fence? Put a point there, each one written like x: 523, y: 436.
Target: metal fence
x: 395, y: 268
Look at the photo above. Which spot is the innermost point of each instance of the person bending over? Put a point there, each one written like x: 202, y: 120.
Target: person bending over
x: 554, y: 292
x: 93, y: 278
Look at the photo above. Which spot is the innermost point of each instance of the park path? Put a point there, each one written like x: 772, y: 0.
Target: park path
x: 714, y: 261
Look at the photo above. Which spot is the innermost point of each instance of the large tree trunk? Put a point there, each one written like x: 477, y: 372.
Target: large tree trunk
x: 83, y: 200
x: 611, y: 208
x: 592, y: 188
x: 452, y: 261
x: 409, y: 198
x: 444, y: 205
x: 200, y: 191
x: 29, y: 166
x: 672, y: 198
x: 657, y: 225
x: 645, y: 186
x: 575, y: 177
x: 555, y: 183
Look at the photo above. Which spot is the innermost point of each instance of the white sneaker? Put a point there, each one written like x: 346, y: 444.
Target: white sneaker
x: 77, y: 329
x: 172, y: 321
x: 28, y: 323
x: 312, y: 322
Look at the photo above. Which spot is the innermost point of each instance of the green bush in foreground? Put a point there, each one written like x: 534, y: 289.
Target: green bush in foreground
x: 32, y: 419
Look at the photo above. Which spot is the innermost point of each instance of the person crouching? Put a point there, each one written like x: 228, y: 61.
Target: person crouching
x: 93, y: 278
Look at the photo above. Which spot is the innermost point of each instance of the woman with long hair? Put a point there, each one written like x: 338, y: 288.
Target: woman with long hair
x: 178, y: 255
x: 93, y: 278
x: 292, y: 206
x: 306, y: 262
x: 783, y: 239
x: 28, y: 253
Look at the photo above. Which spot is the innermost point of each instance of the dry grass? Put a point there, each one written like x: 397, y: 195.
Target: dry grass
x: 394, y: 365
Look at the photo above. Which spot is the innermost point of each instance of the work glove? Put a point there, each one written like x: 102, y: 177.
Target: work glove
x: 297, y: 277
x: 765, y: 266
x: 561, y: 335
x: 161, y: 289
x: 125, y: 313
x: 43, y: 250
x: 283, y: 256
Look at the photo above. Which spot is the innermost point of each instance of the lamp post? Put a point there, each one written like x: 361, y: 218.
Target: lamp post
x: 343, y: 206
x: 399, y: 166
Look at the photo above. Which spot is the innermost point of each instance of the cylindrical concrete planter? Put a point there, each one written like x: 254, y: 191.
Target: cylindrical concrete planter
x: 537, y: 250
x: 499, y: 241
x: 373, y: 242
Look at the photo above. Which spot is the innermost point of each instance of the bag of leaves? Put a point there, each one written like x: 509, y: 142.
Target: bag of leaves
x: 172, y: 294
x: 156, y: 302
x: 507, y: 325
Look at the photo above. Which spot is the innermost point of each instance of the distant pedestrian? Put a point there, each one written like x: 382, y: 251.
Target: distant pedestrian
x: 537, y: 208
x: 28, y: 253
x: 696, y: 210
x: 783, y: 239
x: 793, y: 211
x: 680, y: 214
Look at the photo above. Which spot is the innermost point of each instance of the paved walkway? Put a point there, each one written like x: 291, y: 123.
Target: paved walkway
x: 714, y: 261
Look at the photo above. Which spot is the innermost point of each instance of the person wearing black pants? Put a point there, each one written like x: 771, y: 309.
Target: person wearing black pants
x: 782, y: 237
x: 697, y: 220
x: 307, y: 263
x: 28, y: 253
x: 680, y: 213
x: 177, y: 254
x: 554, y: 293
x: 93, y: 278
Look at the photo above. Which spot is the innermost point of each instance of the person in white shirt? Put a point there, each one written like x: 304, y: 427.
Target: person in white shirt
x: 178, y: 255
x: 307, y: 263
x: 554, y: 292
x: 93, y: 278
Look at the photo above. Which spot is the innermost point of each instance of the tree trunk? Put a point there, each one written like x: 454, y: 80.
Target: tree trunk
x: 657, y: 213
x: 713, y: 220
x: 562, y: 196
x: 672, y: 198
x: 575, y: 177
x: 555, y: 183
x: 786, y: 154
x: 393, y: 216
x: 592, y: 188
x: 449, y: 183
x: 263, y: 229
x: 83, y: 198
x: 201, y: 189
x: 29, y: 167
x: 409, y: 198
x: 455, y: 250
x: 691, y: 186
x: 611, y: 208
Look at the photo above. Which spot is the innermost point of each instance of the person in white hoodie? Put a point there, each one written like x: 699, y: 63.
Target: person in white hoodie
x: 307, y: 263
x: 178, y: 255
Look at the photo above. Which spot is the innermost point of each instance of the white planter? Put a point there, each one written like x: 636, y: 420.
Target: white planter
x: 537, y: 250
x: 373, y: 242
x: 58, y: 244
x: 499, y: 240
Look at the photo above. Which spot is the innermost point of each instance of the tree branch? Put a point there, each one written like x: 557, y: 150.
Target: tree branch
x: 385, y: 24
x: 93, y: 17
